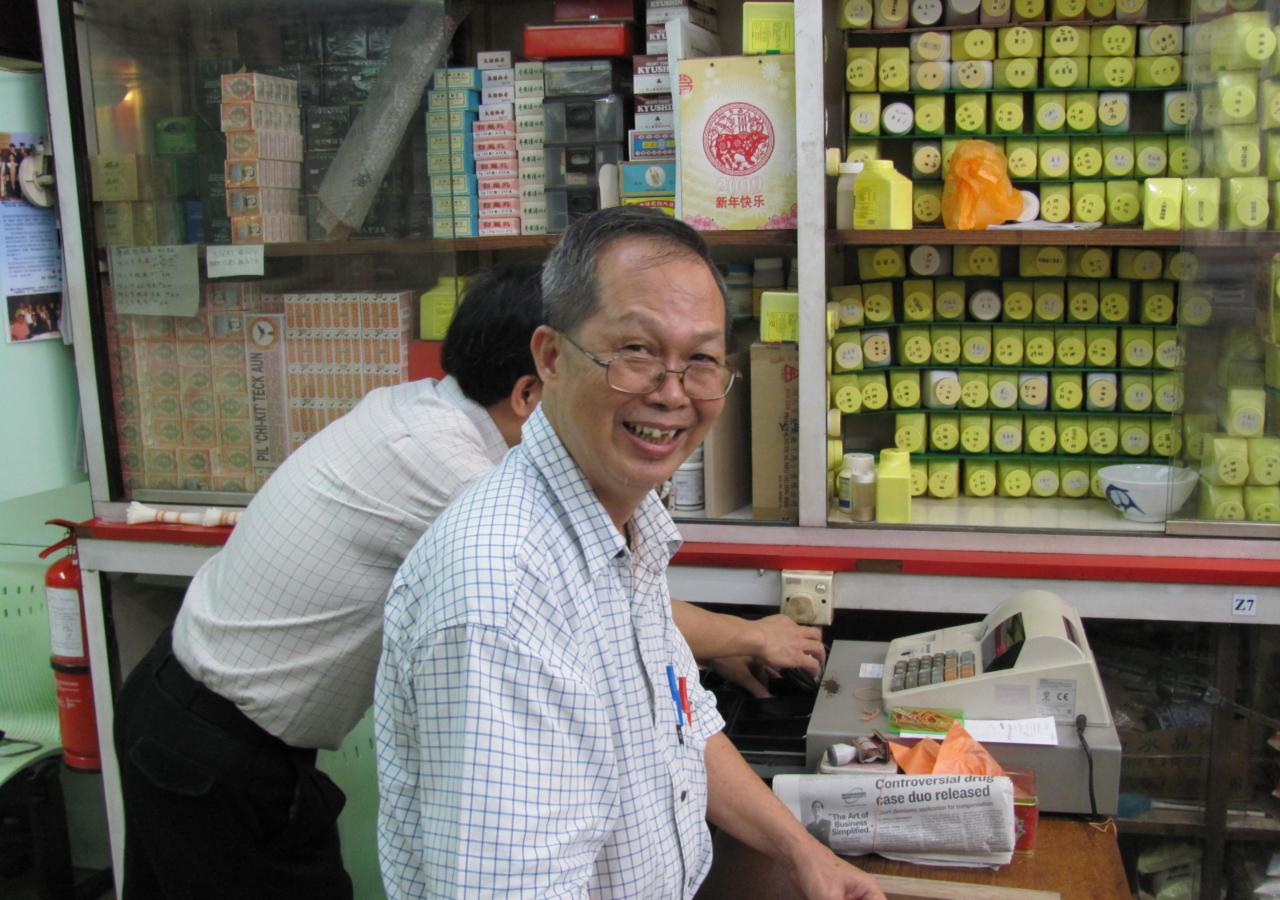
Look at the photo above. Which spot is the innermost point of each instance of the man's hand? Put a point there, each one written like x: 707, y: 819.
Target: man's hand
x: 742, y: 671
x: 828, y: 877
x: 786, y: 645
x: 739, y: 802
x: 735, y: 647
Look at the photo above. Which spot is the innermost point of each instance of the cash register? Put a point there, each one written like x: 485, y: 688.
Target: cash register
x: 1028, y: 659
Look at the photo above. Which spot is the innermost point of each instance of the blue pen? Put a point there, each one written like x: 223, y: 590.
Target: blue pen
x: 675, y: 695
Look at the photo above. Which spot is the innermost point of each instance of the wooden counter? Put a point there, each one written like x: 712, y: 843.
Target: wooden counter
x: 1072, y: 858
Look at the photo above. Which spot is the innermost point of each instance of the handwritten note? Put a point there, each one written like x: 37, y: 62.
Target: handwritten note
x: 225, y: 261
x: 156, y: 281
x: 1013, y: 731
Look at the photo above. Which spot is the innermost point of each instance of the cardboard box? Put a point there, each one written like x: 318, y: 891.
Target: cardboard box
x: 651, y: 74
x: 654, y: 112
x: 737, y: 143
x: 726, y: 454
x: 775, y: 431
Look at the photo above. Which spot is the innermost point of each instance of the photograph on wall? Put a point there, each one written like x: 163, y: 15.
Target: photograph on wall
x: 30, y: 253
x: 34, y: 317
x: 14, y: 148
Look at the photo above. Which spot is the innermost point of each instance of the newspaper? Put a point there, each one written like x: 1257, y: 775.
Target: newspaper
x: 938, y: 820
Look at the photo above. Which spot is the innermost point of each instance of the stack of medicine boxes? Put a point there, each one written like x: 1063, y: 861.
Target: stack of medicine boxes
x: 497, y: 166
x: 531, y: 138
x: 649, y: 177
x: 585, y: 114
x: 453, y: 103
x: 263, y: 124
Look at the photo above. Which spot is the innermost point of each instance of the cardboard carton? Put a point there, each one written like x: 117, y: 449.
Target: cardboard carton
x: 775, y: 430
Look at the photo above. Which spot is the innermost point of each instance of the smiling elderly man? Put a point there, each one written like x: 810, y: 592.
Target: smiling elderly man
x: 528, y: 743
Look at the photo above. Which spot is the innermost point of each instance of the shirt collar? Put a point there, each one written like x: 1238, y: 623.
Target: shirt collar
x: 655, y: 538
x: 495, y: 445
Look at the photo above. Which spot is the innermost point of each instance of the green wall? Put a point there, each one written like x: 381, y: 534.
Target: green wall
x: 39, y: 406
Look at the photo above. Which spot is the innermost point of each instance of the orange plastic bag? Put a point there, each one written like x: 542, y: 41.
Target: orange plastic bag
x: 977, y: 192
x: 962, y: 755
x: 917, y: 760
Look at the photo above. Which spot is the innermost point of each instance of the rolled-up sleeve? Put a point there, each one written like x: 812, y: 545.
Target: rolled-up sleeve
x: 497, y: 767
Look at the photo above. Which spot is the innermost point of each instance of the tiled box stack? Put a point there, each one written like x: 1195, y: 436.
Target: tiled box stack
x: 586, y: 111
x: 649, y: 176
x: 453, y: 102
x: 531, y: 137
x: 263, y: 176
x: 182, y: 396
x: 1025, y: 387
x: 494, y: 145
x: 134, y: 194
x: 339, y: 347
x: 211, y: 148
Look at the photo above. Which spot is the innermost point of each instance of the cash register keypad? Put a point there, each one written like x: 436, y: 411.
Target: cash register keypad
x: 923, y: 670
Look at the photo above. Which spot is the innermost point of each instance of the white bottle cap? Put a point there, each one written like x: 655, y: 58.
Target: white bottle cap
x: 851, y: 168
x: 1030, y: 207
x: 860, y: 463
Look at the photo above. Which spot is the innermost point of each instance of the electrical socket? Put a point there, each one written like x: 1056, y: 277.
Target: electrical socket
x: 808, y: 597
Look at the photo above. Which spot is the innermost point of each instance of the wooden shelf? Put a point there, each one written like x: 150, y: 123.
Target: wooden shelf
x: 1164, y: 822
x: 772, y: 238
x: 1099, y: 237
x: 1045, y: 24
x: 1122, y: 237
x: 1187, y: 823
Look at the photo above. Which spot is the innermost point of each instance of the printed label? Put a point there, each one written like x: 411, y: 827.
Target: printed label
x: 64, y: 622
x: 1056, y: 697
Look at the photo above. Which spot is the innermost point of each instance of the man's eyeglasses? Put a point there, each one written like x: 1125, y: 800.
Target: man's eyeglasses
x: 642, y: 374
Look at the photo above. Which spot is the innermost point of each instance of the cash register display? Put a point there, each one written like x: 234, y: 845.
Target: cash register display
x: 1003, y: 643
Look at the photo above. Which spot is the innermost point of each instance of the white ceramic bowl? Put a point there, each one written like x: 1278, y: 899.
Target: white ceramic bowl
x: 1142, y: 492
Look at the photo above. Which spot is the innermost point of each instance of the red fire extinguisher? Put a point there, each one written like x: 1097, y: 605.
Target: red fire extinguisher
x: 65, y: 603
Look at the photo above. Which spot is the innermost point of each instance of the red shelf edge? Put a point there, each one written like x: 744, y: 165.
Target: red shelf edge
x: 983, y: 564
x: 115, y: 530
x: 976, y: 564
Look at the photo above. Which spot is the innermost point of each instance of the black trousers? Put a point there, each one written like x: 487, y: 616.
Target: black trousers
x: 215, y: 807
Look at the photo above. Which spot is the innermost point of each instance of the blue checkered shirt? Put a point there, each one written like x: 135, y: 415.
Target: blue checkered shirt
x: 526, y: 733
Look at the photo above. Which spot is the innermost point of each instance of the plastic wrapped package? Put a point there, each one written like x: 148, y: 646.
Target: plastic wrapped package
x: 978, y: 192
x: 351, y: 184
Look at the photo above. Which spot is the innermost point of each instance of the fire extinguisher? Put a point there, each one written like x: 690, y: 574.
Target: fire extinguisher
x: 65, y: 603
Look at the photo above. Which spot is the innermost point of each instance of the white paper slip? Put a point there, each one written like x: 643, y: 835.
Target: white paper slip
x: 1041, y: 225
x: 871, y: 670
x: 1013, y: 731
x: 156, y: 281
x: 223, y: 261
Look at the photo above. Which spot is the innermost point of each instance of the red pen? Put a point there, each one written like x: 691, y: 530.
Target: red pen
x: 684, y: 701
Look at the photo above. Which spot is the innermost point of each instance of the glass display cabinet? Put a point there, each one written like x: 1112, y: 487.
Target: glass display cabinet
x: 269, y: 209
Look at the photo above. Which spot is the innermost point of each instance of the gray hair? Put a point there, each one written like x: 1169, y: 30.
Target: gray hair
x: 570, y: 288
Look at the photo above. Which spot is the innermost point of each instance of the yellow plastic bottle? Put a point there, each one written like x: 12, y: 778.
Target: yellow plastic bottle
x: 882, y: 197
x: 893, y: 487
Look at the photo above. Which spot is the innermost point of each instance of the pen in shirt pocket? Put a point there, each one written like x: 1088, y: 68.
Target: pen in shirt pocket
x: 675, y: 697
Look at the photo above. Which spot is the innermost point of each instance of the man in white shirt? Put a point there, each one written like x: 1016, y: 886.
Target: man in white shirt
x: 276, y: 645
x: 540, y: 728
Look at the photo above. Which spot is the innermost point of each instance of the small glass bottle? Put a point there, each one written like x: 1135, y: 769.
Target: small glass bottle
x: 844, y: 194
x: 862, y: 499
x: 688, y: 495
